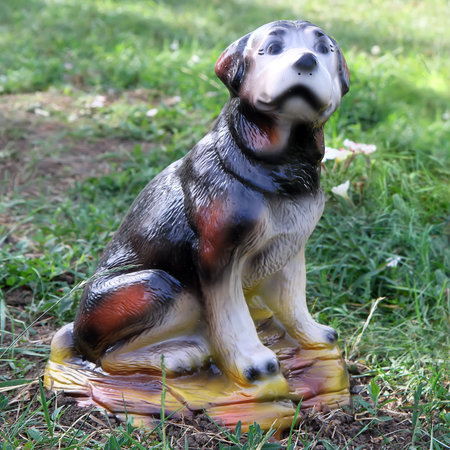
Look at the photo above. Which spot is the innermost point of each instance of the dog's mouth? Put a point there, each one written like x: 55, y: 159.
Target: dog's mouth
x: 298, y: 91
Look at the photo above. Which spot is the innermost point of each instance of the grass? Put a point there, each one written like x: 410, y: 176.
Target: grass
x: 148, y: 55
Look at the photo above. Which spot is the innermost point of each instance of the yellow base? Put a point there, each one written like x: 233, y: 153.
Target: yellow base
x: 317, y: 377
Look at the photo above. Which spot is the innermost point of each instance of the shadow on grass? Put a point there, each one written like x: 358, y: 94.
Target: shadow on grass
x: 212, y: 24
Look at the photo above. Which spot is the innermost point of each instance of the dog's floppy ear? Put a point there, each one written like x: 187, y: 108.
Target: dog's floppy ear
x: 344, y: 74
x: 230, y: 66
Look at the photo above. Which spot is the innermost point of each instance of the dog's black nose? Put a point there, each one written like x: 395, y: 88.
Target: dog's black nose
x: 306, y: 62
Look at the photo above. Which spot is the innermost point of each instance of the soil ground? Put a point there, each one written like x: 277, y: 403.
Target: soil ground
x: 40, y: 150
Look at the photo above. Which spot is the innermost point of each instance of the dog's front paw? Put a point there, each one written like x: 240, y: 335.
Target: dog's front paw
x: 261, y: 370
x: 256, y: 364
x: 331, y: 335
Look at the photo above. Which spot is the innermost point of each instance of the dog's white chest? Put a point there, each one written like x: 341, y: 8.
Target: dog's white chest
x: 283, y: 232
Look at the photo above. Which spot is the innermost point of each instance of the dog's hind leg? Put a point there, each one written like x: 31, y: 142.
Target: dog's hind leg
x: 178, y: 338
x: 178, y: 355
x: 120, y: 315
x: 285, y: 294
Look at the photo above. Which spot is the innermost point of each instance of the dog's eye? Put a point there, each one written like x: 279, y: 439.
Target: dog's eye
x: 274, y: 48
x: 321, y: 47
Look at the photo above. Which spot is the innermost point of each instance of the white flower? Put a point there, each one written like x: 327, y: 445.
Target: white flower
x: 342, y: 190
x: 152, y: 112
x: 41, y: 112
x: 351, y: 148
x: 174, y: 46
x: 338, y: 155
x: 357, y: 147
x: 171, y: 101
x: 98, y: 102
x: 194, y: 59
x: 375, y: 50
x: 393, y: 261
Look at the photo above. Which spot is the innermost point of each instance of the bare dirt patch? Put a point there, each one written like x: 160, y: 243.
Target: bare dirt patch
x: 39, y: 152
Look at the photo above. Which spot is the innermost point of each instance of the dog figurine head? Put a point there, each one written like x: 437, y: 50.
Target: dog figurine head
x: 288, y: 70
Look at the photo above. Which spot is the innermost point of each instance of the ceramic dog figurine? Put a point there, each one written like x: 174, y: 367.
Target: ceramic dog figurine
x: 216, y: 241
x: 226, y: 224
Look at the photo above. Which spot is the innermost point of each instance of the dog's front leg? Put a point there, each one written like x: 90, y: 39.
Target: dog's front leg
x: 236, y: 346
x: 285, y: 294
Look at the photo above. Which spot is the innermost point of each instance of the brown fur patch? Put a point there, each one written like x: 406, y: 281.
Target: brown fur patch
x: 212, y: 225
x: 118, y: 309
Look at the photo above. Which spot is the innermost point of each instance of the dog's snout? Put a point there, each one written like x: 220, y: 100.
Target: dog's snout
x: 306, y: 62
